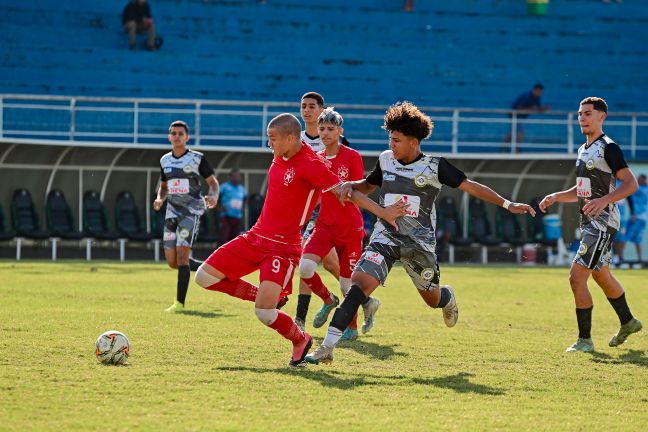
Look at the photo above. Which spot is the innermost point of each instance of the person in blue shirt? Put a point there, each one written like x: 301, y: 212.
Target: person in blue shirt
x: 232, y: 202
x: 527, y: 102
x: 637, y: 224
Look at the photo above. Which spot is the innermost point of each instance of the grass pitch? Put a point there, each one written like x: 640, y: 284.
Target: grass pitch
x: 217, y: 368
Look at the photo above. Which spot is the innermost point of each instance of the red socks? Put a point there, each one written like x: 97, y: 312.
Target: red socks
x: 286, y: 327
x: 319, y: 289
x: 237, y: 288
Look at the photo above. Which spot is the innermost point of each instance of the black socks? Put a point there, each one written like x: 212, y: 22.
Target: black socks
x: 303, y: 300
x: 584, y: 318
x: 194, y: 264
x: 183, y: 282
x: 445, y: 297
x: 621, y: 308
x: 346, y: 311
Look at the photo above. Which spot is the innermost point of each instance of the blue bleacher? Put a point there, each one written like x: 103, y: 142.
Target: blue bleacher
x: 464, y: 53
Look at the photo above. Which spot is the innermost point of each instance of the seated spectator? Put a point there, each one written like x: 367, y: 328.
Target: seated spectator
x: 137, y: 19
x: 408, y: 6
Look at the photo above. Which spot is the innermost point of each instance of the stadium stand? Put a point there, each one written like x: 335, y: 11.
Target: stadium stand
x: 239, y: 50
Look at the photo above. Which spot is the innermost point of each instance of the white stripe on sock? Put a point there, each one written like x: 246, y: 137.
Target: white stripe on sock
x: 333, y: 335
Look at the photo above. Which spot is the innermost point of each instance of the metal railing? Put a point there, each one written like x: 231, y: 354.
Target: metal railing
x: 241, y: 125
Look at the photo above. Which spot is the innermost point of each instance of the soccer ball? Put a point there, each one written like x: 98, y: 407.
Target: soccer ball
x: 112, y: 347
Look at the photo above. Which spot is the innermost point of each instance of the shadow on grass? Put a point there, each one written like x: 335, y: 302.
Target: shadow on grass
x: 201, y: 314
x: 634, y: 357
x: 330, y: 378
x: 461, y: 384
x: 371, y: 349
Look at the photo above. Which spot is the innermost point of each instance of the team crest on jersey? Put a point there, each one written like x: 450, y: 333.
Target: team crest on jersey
x: 420, y: 180
x: 289, y: 175
x: 582, y: 249
x: 590, y: 164
x: 184, y: 233
x: 343, y: 173
x: 187, y: 168
x: 427, y: 274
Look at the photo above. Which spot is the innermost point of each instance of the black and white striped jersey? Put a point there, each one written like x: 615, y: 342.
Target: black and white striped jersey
x: 182, y: 176
x: 418, y: 183
x: 596, y: 170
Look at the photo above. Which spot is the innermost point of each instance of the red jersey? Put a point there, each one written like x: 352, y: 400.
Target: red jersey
x: 293, y: 191
x: 343, y: 219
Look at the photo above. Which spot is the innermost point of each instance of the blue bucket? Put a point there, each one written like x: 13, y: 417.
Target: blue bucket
x: 552, y: 227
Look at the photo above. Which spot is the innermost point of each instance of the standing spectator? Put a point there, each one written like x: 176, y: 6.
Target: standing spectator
x: 637, y: 224
x: 527, y: 102
x: 136, y: 19
x: 232, y: 203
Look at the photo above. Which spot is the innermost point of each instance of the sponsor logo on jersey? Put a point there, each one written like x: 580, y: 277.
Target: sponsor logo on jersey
x: 413, y: 203
x: 583, y: 187
x: 389, y: 177
x: 374, y: 257
x: 590, y: 164
x: 187, y: 168
x: 582, y: 249
x: 343, y: 173
x: 168, y: 236
x: 184, y: 233
x: 289, y: 175
x: 427, y: 274
x: 178, y: 186
x: 420, y: 180
x: 168, y: 169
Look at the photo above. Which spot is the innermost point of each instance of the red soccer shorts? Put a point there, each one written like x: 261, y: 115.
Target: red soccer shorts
x: 249, y: 252
x: 349, y: 249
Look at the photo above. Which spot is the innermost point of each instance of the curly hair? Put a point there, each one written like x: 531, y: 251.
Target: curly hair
x: 406, y: 118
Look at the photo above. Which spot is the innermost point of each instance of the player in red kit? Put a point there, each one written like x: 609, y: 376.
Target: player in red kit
x: 339, y: 226
x: 273, y: 245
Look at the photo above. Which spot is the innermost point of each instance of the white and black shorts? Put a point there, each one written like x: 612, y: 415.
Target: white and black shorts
x: 421, y: 266
x: 595, y: 250
x: 180, y: 231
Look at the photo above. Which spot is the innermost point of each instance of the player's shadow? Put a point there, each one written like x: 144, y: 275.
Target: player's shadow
x: 371, y: 349
x: 342, y: 381
x: 634, y: 357
x: 461, y: 384
x: 202, y: 314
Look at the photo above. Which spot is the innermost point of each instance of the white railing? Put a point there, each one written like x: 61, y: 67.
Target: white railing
x: 241, y: 125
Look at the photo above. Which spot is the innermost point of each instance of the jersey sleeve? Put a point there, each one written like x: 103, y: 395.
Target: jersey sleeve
x: 205, y: 169
x: 614, y: 157
x: 449, y: 174
x: 320, y: 175
x: 163, y: 176
x: 357, y: 168
x: 375, y: 176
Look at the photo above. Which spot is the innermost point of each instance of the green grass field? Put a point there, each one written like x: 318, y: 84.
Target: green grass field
x: 217, y: 368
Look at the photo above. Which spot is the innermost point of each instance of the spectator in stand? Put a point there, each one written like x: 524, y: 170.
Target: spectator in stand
x: 137, y: 18
x: 232, y: 202
x: 526, y: 102
x: 408, y: 6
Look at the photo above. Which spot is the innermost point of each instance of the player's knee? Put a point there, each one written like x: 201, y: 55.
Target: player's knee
x: 345, y: 285
x: 307, y: 268
x: 266, y: 316
x: 205, y: 279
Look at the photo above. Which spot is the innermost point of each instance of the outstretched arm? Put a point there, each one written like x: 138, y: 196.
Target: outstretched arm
x: 346, y: 192
x: 485, y: 193
x: 568, y: 195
